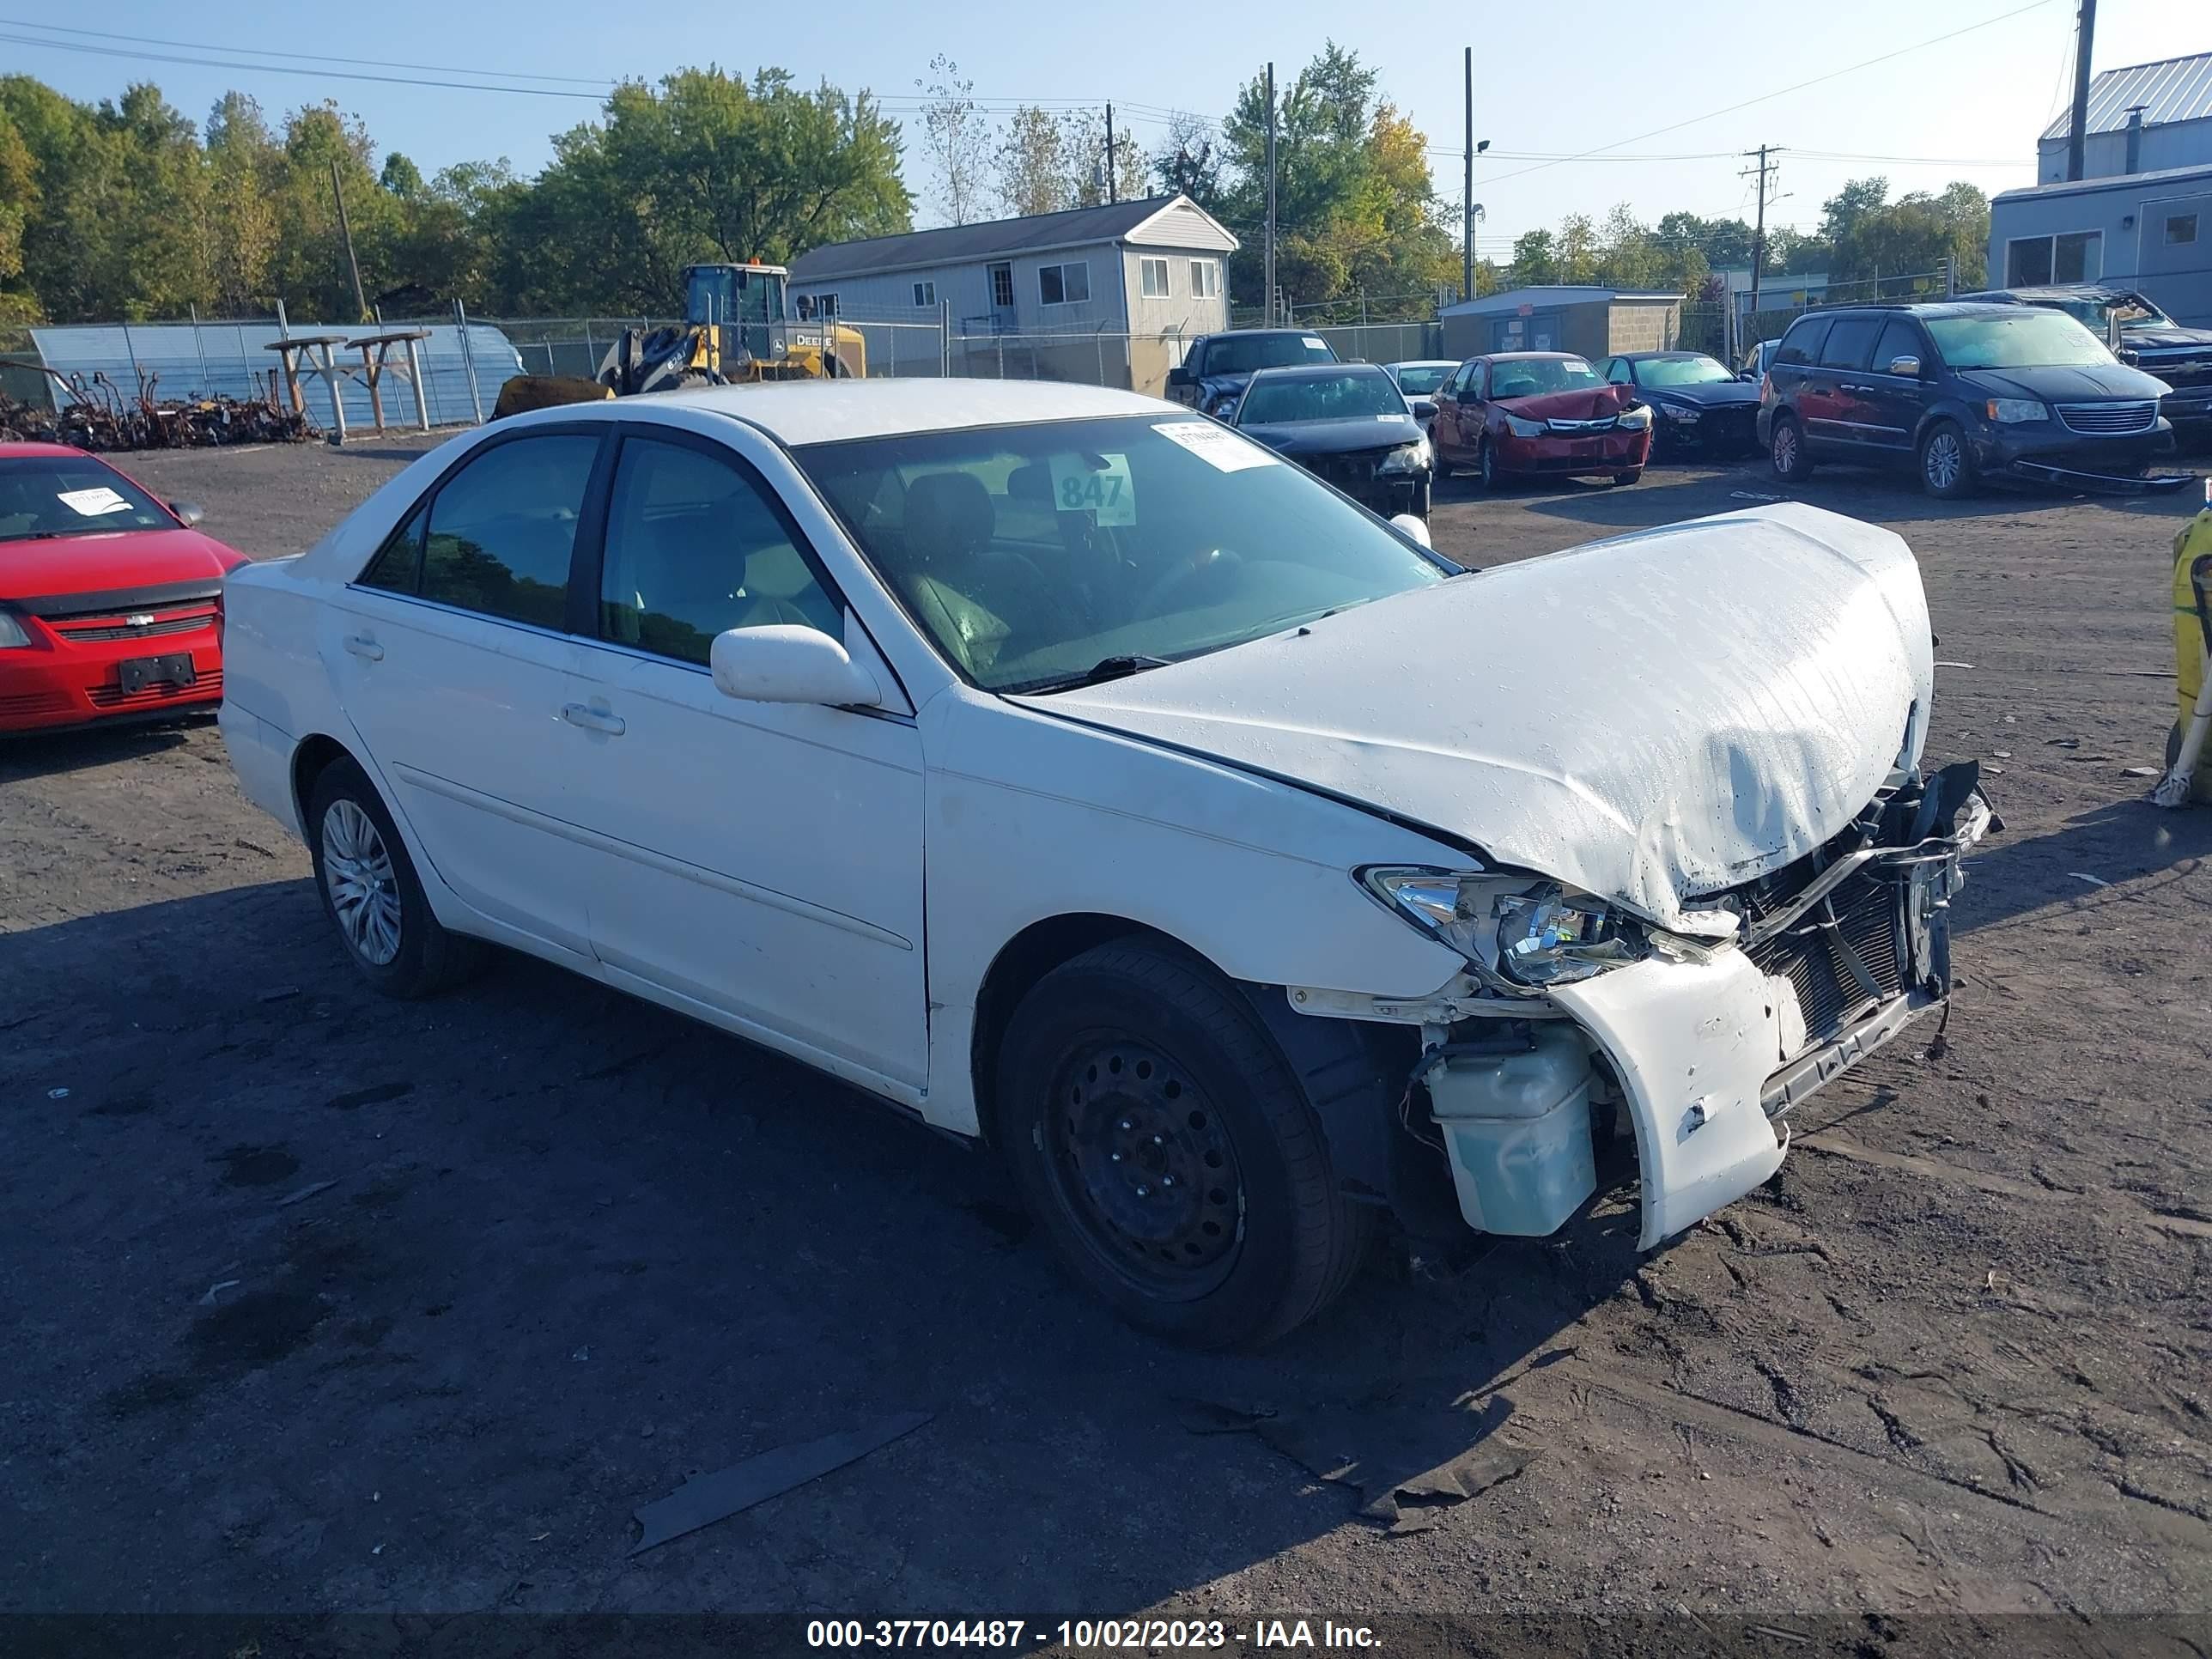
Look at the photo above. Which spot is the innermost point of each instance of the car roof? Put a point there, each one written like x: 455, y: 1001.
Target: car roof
x: 823, y: 411
x: 1657, y: 356
x: 1917, y: 308
x: 24, y: 451
x: 1426, y: 362
x: 1534, y: 357
x: 2046, y: 291
x: 1317, y: 371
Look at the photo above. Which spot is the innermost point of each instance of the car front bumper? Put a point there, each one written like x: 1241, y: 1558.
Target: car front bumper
x: 2034, y: 444
x: 1727, y: 429
x: 1711, y: 1055
x: 50, y: 685
x: 1598, y: 456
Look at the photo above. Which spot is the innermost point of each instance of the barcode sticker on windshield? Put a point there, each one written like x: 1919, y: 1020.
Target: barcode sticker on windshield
x: 92, y: 502
x: 1217, y: 445
x: 1077, y: 487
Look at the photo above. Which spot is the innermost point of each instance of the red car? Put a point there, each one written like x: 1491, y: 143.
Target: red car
x: 1527, y: 414
x: 111, y: 603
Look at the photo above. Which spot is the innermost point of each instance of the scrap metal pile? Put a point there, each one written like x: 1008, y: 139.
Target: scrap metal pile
x: 95, y: 413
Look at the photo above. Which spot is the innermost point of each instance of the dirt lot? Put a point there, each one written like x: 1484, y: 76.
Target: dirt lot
x: 312, y: 1301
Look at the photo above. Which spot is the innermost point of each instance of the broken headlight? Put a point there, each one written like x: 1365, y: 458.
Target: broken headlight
x: 1512, y: 934
x: 1637, y: 418
x: 1520, y: 428
x: 1545, y: 937
x: 1408, y: 458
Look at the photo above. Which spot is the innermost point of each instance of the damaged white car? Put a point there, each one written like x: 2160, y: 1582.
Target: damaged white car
x: 1066, y: 770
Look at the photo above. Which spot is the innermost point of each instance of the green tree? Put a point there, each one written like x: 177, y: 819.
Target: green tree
x: 1032, y: 163
x: 246, y: 172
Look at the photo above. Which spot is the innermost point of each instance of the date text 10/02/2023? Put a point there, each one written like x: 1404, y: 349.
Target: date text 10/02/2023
x: 1140, y: 1633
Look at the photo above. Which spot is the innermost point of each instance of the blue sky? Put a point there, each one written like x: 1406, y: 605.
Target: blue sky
x: 1550, y: 81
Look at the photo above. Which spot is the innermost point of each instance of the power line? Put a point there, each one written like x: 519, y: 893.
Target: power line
x: 307, y: 56
x: 1780, y: 92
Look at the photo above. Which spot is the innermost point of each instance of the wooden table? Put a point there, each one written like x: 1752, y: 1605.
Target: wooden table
x: 318, y: 352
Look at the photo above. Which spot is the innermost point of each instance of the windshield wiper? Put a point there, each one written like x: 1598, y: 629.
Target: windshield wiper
x: 1105, y: 669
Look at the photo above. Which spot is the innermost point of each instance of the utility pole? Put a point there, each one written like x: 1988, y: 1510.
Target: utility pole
x: 2077, y: 137
x: 1271, y: 196
x: 360, y: 301
x: 1113, y: 183
x: 1759, y: 231
x: 1467, y: 194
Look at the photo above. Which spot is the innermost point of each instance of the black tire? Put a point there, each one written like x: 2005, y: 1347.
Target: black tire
x: 1422, y: 497
x: 1634, y: 475
x: 1133, y: 1068
x: 425, y: 958
x: 1946, y: 465
x: 1485, y: 466
x: 1786, y: 452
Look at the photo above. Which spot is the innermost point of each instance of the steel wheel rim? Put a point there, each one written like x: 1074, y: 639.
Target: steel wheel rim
x: 1943, y: 460
x: 1142, y: 1164
x: 363, y: 884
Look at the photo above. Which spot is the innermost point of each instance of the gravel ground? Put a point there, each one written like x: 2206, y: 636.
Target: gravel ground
x: 311, y: 1301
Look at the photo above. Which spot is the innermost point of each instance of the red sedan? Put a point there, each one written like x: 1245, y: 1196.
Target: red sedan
x: 1527, y: 414
x: 111, y: 603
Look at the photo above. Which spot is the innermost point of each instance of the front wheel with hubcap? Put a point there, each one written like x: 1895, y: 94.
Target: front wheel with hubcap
x: 1786, y: 452
x: 1486, y: 465
x: 371, y: 894
x: 1166, y: 1151
x: 1946, y: 469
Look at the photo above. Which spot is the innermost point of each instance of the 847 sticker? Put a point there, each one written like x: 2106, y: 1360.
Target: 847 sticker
x: 1079, y: 487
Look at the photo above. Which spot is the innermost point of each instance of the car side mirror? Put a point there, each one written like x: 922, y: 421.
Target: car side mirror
x: 1412, y: 526
x: 2131, y: 357
x: 1179, y: 375
x: 191, y: 511
x: 1909, y: 367
x: 789, y: 663
x: 1424, y: 409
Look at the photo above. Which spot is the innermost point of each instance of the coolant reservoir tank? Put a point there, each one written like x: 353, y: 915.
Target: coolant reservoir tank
x: 1518, y: 1127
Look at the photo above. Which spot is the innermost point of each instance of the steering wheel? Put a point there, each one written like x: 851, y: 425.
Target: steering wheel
x: 1210, y: 564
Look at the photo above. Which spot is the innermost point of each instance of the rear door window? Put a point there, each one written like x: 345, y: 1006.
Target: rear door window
x: 502, y: 528
x: 1850, y: 342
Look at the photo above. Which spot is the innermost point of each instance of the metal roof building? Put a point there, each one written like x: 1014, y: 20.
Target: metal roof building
x: 2174, y: 97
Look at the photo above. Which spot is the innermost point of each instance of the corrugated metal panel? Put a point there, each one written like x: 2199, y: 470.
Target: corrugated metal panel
x: 230, y: 359
x: 2173, y: 89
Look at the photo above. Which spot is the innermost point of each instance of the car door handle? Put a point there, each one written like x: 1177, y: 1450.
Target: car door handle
x: 593, y: 720
x: 364, y: 647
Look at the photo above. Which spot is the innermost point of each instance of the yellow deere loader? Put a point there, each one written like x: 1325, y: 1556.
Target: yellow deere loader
x: 734, y: 333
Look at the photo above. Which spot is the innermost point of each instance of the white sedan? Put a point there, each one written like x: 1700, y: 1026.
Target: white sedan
x: 1064, y: 768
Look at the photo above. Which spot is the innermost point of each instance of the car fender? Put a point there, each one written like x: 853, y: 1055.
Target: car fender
x: 1030, y: 817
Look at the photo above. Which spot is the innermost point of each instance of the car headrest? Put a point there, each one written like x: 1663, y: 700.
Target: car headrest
x: 1031, y: 482
x: 948, y: 515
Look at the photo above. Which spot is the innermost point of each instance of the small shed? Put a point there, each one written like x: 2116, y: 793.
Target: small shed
x: 1595, y: 322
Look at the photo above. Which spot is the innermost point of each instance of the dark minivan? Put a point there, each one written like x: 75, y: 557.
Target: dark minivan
x: 1960, y: 392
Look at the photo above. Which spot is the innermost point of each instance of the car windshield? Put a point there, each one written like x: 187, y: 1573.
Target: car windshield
x: 44, y: 497
x: 2029, y: 337
x: 1419, y: 380
x: 1352, y: 396
x: 1534, y: 377
x: 1035, y: 554
x: 1231, y: 354
x: 1679, y: 371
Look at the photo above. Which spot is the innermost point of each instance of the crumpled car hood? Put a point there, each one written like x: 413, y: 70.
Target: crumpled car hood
x: 1651, y: 719
x: 1592, y: 402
